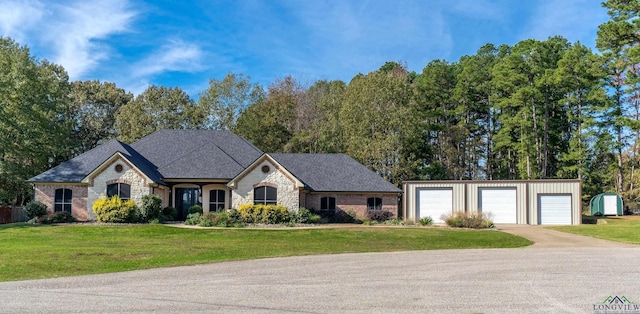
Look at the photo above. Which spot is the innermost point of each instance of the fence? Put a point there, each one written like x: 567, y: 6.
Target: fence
x: 12, y: 214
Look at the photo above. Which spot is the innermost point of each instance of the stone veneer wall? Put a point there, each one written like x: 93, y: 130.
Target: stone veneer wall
x: 46, y: 193
x: 354, y: 202
x: 98, y: 189
x: 288, y: 194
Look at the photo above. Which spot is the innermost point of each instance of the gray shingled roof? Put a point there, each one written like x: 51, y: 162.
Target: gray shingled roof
x: 79, y: 167
x: 179, y: 154
x: 333, y: 173
x: 197, y: 154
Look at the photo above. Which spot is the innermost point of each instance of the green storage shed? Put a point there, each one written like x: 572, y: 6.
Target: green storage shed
x: 606, y: 204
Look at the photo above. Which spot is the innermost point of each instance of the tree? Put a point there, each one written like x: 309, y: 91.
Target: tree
x: 317, y: 128
x: 155, y: 109
x: 434, y: 97
x: 619, y: 40
x: 271, y: 123
x: 579, y: 74
x: 94, y: 108
x: 224, y: 101
x: 379, y: 121
x: 34, y: 128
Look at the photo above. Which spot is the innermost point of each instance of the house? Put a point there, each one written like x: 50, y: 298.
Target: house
x: 534, y: 202
x: 215, y: 169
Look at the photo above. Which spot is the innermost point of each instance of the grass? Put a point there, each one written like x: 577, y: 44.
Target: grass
x: 32, y: 251
x: 625, y: 230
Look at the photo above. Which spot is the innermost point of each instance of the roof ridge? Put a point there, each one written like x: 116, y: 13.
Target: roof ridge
x: 223, y: 151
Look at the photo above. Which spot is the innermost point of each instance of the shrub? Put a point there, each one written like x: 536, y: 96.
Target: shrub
x: 196, y: 209
x: 58, y: 217
x: 193, y: 219
x: 151, y: 208
x: 115, y: 210
x: 169, y: 213
x: 426, y: 221
x: 379, y: 215
x: 266, y: 214
x: 35, y: 209
x: 397, y: 222
x: 215, y: 219
x: 466, y: 220
x: 302, y: 216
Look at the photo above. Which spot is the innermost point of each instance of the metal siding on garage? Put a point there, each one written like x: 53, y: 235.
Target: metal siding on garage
x: 610, y: 204
x: 554, y: 209
x: 500, y: 202
x: 435, y: 202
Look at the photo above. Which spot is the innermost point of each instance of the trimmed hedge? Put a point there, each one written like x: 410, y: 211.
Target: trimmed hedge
x: 266, y: 214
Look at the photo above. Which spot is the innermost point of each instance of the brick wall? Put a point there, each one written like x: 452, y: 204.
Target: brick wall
x: 354, y: 202
x: 45, y: 193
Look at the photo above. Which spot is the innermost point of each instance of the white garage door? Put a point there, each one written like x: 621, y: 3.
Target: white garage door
x: 435, y: 203
x: 610, y: 205
x: 500, y: 202
x: 554, y: 209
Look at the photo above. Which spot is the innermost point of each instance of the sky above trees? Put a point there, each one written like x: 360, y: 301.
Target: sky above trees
x: 185, y: 43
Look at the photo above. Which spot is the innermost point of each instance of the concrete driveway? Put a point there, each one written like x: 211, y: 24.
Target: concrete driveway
x: 525, y: 280
x: 547, y: 238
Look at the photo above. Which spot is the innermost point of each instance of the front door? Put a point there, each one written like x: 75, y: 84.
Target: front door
x: 185, y: 198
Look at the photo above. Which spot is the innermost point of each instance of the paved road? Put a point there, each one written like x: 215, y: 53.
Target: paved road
x: 524, y: 280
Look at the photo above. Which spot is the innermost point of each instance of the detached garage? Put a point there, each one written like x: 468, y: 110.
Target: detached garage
x: 535, y: 202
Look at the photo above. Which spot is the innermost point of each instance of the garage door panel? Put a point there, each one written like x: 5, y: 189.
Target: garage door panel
x: 500, y: 203
x: 435, y: 202
x: 554, y: 209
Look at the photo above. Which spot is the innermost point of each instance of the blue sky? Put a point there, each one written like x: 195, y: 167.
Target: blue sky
x: 185, y: 43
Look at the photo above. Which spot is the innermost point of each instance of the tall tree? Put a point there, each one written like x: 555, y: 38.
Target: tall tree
x: 580, y: 75
x: 318, y: 128
x: 380, y: 121
x: 619, y: 40
x: 439, y: 122
x: 156, y: 108
x: 224, y: 101
x: 270, y: 123
x: 34, y: 127
x: 94, y: 107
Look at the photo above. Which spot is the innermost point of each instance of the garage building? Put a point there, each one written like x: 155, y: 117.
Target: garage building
x: 533, y: 202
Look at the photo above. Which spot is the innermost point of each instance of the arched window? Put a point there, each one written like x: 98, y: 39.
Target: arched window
x: 374, y: 203
x: 62, y: 201
x: 216, y: 200
x: 327, y: 203
x: 266, y: 195
x: 122, y: 190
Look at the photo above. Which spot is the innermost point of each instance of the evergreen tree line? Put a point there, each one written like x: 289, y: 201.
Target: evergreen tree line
x: 535, y: 110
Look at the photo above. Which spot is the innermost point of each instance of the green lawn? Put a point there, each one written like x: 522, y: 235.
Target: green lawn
x: 29, y: 252
x: 616, y: 229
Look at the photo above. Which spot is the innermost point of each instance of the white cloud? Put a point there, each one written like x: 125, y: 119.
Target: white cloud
x: 77, y: 28
x: 69, y: 33
x: 17, y: 17
x: 173, y: 56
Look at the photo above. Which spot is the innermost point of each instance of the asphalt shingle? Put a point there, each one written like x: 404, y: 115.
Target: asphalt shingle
x: 333, y: 173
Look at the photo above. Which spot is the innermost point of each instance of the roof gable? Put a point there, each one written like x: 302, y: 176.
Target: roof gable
x: 76, y: 169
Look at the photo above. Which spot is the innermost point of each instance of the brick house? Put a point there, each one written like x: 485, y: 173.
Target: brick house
x: 215, y: 169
